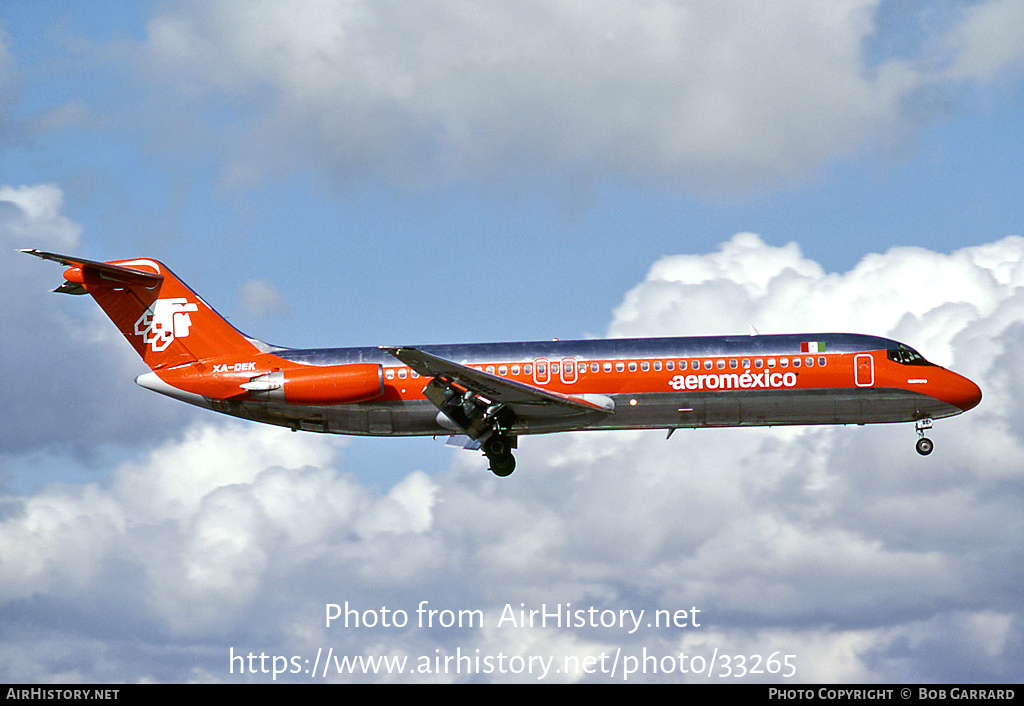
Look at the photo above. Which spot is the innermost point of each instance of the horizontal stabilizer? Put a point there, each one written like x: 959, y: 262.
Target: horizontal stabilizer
x: 71, y: 288
x: 90, y: 270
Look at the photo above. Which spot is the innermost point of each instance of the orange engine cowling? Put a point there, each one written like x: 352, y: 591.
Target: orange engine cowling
x: 329, y: 384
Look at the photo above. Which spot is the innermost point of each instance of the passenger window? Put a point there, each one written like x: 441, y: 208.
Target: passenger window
x: 619, y: 367
x: 670, y: 365
x: 746, y: 362
x: 733, y: 364
x: 502, y: 370
x: 515, y: 369
x: 595, y: 367
x: 389, y: 374
x: 632, y: 366
x: 771, y: 362
x: 821, y: 361
x: 527, y: 369
x: 796, y: 362
x: 607, y: 367
x: 645, y: 366
x: 720, y: 365
x: 810, y: 362
x: 657, y: 365
x: 758, y: 363
x: 707, y: 365
x: 403, y: 373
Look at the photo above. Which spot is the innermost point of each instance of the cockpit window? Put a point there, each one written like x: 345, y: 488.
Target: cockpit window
x: 906, y: 356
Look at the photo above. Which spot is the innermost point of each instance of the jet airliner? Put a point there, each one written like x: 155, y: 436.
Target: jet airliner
x: 489, y: 394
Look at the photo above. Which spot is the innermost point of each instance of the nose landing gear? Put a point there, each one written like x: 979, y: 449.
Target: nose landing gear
x: 924, y: 445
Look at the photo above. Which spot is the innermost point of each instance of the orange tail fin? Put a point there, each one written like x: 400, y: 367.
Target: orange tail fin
x: 166, y: 322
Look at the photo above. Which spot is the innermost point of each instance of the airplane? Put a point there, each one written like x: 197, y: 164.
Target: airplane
x: 487, y: 395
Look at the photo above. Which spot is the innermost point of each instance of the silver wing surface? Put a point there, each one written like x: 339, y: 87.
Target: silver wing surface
x: 490, y: 393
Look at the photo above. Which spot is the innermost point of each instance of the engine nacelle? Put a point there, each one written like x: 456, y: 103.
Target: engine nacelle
x: 330, y: 384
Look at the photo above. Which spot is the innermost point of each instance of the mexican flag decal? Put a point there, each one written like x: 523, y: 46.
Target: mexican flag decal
x: 812, y: 347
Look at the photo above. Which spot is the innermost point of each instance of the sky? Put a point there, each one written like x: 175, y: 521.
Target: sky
x: 370, y: 173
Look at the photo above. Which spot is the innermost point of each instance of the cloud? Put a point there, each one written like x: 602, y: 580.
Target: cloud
x: 988, y: 41
x: 699, y: 94
x: 10, y: 128
x: 259, y: 298
x: 839, y: 546
x: 32, y: 215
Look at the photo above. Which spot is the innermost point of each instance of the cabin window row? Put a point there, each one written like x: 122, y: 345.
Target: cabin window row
x: 699, y: 363
x: 633, y: 366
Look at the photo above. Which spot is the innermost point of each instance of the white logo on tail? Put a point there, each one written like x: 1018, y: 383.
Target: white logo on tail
x: 164, y: 321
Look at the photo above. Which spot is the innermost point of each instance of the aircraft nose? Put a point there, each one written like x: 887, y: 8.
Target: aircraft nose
x: 964, y: 393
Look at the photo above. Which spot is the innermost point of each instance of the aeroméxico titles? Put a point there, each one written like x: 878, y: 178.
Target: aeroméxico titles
x: 487, y: 395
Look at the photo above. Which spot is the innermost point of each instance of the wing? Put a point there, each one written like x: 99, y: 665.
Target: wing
x: 522, y: 399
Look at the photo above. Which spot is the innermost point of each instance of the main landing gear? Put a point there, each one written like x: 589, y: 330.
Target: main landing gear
x: 481, y: 420
x: 498, y: 449
x: 924, y: 444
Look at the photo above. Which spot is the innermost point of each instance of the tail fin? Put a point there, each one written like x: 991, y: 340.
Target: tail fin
x: 166, y: 322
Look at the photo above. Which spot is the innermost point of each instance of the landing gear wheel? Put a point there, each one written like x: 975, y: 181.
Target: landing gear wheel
x: 503, y: 465
x: 924, y: 444
x: 498, y: 450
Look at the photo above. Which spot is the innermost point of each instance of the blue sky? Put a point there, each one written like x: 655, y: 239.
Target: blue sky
x: 358, y: 173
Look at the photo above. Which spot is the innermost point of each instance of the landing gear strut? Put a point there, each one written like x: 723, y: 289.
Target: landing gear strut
x: 498, y: 449
x: 924, y: 444
x: 481, y: 419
